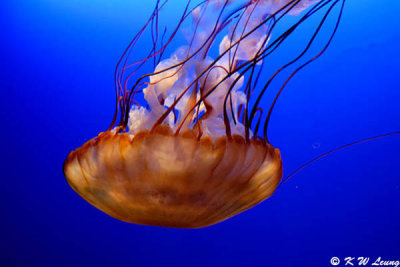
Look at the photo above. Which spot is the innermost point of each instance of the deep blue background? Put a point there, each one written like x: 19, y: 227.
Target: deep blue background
x: 57, y: 59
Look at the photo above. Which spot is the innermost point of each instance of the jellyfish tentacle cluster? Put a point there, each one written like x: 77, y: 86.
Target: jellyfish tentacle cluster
x: 191, y: 155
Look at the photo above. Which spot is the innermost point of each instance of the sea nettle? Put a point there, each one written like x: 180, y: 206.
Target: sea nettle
x: 188, y: 145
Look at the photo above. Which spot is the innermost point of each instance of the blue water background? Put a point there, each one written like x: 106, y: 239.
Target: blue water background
x: 56, y: 80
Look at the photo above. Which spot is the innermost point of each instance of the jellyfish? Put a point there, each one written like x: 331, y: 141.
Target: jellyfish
x: 188, y: 144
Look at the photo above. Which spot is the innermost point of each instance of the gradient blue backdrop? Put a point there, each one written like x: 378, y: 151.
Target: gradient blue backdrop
x: 56, y: 80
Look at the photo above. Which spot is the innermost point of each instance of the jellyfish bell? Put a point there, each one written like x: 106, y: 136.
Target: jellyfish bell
x: 192, y: 155
x: 158, y: 178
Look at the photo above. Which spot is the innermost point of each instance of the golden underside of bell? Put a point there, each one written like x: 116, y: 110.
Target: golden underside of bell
x: 173, y: 181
